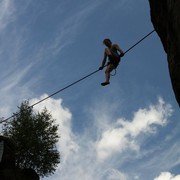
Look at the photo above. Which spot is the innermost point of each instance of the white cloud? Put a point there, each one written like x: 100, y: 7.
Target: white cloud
x: 80, y: 153
x: 67, y: 145
x: 123, y: 134
x: 78, y: 157
x: 144, y: 118
x: 167, y: 176
x: 114, y: 141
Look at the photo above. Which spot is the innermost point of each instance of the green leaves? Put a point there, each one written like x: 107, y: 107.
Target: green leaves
x: 36, y: 136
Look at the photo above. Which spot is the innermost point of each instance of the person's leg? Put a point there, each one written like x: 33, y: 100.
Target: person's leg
x: 108, y: 70
x: 110, y: 67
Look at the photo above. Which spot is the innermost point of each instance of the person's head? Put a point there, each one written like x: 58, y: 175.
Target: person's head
x: 107, y: 42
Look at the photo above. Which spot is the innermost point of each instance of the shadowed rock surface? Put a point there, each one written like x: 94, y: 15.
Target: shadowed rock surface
x: 165, y: 17
x: 8, y: 171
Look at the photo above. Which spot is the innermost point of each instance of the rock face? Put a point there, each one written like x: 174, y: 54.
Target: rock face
x: 7, y: 153
x: 165, y: 17
x: 8, y: 171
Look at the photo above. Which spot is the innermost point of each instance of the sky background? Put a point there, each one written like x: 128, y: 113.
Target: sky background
x: 128, y: 130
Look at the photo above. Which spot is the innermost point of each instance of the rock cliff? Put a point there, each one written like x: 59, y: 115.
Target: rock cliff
x: 165, y: 17
x: 8, y: 170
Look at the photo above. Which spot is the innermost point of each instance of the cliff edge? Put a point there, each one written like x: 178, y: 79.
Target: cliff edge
x: 165, y: 17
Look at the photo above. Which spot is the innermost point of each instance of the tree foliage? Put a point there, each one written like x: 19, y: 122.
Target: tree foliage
x: 36, y: 136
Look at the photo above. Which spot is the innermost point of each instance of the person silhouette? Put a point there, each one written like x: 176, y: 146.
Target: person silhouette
x: 112, y: 52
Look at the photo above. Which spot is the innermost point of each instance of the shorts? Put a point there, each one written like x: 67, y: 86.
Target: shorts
x: 114, y: 60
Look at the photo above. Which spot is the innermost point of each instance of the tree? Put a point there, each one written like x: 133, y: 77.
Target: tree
x: 36, y: 136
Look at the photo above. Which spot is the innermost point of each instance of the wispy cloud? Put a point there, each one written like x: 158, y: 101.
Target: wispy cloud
x: 70, y: 28
x: 23, y: 61
x: 168, y: 157
x: 15, y: 60
x: 6, y: 13
x: 101, y: 150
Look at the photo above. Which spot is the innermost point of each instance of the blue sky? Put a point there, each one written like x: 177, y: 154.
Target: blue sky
x: 127, y: 130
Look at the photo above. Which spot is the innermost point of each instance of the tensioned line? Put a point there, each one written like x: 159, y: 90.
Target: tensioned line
x: 75, y: 82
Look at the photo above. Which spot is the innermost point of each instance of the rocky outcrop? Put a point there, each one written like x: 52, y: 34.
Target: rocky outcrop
x: 7, y: 153
x: 165, y: 17
x: 18, y: 174
x: 8, y: 170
